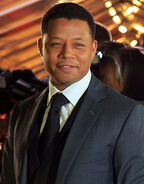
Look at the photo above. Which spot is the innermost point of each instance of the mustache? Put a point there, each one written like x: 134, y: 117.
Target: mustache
x: 60, y: 64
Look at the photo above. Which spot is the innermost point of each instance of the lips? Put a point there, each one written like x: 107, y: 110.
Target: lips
x: 66, y: 67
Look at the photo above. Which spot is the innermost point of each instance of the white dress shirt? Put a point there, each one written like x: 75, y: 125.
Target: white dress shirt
x: 72, y: 93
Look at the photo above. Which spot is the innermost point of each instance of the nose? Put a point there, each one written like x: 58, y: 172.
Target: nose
x: 66, y: 51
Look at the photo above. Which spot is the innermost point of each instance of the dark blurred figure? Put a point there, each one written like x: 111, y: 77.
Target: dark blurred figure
x: 111, y: 48
x: 130, y: 62
x: 108, y: 72
x: 2, y: 139
x: 132, y: 71
x: 17, y: 85
x: 102, y: 33
x: 108, y: 47
x: 106, y: 64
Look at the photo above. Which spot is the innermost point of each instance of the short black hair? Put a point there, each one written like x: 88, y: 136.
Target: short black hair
x: 68, y: 11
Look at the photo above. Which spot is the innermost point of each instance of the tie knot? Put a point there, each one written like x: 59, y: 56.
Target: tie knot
x: 58, y: 100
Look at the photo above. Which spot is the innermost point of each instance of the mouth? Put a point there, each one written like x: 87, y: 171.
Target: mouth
x: 67, y: 67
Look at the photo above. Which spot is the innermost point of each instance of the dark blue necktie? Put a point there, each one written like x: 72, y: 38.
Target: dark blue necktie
x: 52, y: 126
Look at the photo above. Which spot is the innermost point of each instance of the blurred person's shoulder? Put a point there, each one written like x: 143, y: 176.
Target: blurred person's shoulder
x: 30, y: 101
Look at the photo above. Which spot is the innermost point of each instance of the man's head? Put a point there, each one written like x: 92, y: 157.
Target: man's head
x: 67, y: 45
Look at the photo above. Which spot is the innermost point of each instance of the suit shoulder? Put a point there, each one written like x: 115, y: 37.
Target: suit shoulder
x: 119, y: 98
x: 109, y: 96
x: 117, y: 103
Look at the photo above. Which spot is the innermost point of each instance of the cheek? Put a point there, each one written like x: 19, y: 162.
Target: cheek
x: 85, y: 60
x: 90, y: 55
x: 49, y: 60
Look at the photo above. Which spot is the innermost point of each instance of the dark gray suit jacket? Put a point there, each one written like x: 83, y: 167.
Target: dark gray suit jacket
x: 105, y: 144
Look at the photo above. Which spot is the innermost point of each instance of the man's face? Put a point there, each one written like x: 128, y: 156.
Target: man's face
x: 67, y: 50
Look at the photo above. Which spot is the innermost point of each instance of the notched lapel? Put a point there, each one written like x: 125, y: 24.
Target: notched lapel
x: 86, y: 117
x: 22, y: 130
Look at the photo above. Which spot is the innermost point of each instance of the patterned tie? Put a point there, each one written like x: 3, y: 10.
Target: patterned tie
x: 52, y: 126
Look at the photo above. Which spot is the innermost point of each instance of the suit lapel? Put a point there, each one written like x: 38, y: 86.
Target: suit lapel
x: 81, y: 126
x: 22, y: 131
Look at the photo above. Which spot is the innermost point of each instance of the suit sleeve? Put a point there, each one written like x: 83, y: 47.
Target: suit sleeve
x: 8, y: 172
x: 129, y: 149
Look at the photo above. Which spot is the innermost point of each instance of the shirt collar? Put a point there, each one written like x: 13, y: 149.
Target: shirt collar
x: 72, y: 92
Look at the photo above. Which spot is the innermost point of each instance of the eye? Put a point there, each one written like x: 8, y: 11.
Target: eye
x: 56, y: 44
x: 78, y: 45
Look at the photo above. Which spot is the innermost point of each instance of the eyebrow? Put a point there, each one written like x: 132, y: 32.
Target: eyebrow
x: 59, y: 38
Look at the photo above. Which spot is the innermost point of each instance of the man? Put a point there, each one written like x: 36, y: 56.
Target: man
x: 100, y: 139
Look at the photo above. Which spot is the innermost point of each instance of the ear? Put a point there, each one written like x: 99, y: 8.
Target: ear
x: 39, y: 42
x: 94, y: 48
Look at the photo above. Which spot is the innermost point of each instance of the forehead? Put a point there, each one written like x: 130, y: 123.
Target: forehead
x: 68, y: 26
